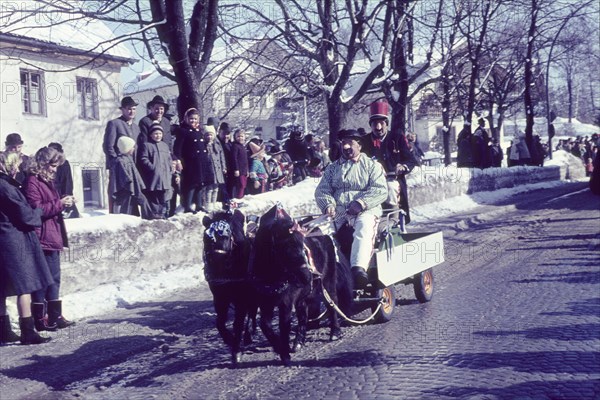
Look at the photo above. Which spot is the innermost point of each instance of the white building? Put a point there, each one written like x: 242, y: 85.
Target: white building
x: 60, y: 82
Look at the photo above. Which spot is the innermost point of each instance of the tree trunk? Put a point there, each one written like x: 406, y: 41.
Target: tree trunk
x: 446, y: 117
x: 529, y: 81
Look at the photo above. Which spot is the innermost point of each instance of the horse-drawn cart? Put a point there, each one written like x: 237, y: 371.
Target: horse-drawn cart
x: 399, y: 258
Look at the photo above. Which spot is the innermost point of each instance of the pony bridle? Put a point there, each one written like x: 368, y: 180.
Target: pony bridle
x: 219, y: 228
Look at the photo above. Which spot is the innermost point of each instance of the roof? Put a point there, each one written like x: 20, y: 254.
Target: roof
x: 82, y: 35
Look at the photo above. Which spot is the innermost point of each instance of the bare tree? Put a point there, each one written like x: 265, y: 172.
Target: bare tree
x: 327, y: 38
x: 169, y: 29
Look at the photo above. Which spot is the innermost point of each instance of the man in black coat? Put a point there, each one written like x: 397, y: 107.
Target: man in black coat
x: 116, y: 128
x: 392, y: 152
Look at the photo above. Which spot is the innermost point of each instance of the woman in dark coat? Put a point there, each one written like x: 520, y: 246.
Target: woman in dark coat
x: 41, y: 193
x: 190, y: 149
x: 23, y: 267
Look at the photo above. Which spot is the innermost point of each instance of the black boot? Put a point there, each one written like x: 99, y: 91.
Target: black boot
x: 38, y: 311
x: 55, y: 316
x: 359, y: 275
x: 6, y: 333
x: 28, y: 333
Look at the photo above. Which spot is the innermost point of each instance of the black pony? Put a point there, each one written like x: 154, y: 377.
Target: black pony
x: 226, y: 254
x: 283, y: 265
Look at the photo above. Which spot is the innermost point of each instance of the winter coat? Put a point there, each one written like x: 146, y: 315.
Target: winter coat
x: 464, y: 153
x: 226, y: 146
x: 126, y: 178
x: 239, y: 158
x: 146, y: 123
x: 42, y: 194
x: 190, y: 148
x: 345, y: 181
x: 114, y: 130
x: 390, y: 152
x: 480, y: 149
x: 217, y: 160
x: 23, y: 267
x: 154, y: 160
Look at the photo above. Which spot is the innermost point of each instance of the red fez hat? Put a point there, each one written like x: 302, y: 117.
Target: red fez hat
x: 379, y: 109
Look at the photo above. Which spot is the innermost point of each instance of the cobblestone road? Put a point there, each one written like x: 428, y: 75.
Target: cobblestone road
x: 516, y: 314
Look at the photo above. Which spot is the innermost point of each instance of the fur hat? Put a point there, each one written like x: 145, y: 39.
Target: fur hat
x: 256, y: 150
x: 379, y: 110
x: 125, y: 144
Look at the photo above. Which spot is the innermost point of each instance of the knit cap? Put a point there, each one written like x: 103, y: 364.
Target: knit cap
x: 125, y: 144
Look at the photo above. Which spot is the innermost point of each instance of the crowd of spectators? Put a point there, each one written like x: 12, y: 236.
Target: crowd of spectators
x: 156, y: 166
x: 583, y: 147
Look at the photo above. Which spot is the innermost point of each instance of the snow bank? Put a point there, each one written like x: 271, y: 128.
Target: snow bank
x: 114, y: 260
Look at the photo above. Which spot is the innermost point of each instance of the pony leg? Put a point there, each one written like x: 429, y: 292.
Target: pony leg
x: 302, y: 315
x: 285, y: 328
x: 266, y: 325
x: 250, y: 326
x: 222, y: 310
x: 335, y: 332
x: 238, y: 328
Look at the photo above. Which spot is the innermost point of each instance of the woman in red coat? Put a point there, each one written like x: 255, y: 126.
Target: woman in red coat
x: 41, y: 193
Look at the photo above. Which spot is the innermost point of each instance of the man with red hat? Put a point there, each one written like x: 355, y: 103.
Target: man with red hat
x: 393, y: 152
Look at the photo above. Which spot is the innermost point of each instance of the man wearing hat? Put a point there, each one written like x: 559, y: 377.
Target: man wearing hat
x: 157, y: 108
x: 351, y: 191
x: 14, y: 144
x: 393, y: 152
x: 115, y: 129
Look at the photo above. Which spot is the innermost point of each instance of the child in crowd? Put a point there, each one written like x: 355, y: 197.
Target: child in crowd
x: 154, y: 159
x: 257, y: 174
x: 219, y: 168
x: 127, y: 182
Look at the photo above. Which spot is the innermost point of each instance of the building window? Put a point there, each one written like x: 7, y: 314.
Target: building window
x: 230, y: 99
x: 87, y: 98
x: 92, y: 187
x: 32, y: 92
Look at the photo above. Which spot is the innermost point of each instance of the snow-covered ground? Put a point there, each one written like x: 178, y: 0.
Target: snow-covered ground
x: 157, y: 277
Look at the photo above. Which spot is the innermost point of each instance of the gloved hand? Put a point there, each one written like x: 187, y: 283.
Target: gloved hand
x: 354, y: 208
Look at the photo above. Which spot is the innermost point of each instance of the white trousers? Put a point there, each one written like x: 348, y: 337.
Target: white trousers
x: 365, y: 231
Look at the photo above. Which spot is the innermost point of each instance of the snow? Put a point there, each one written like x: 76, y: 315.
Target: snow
x: 562, y: 126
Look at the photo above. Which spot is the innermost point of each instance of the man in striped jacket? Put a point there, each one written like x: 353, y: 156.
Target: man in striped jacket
x: 352, y: 189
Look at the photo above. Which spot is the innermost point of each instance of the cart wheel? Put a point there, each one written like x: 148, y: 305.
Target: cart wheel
x: 423, y: 285
x: 388, y: 296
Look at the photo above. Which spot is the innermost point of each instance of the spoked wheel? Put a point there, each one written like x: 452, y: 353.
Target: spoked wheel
x: 388, y: 296
x: 423, y: 285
